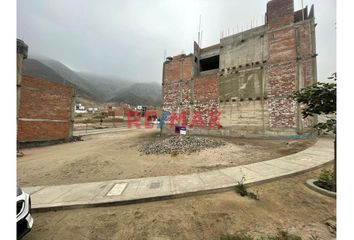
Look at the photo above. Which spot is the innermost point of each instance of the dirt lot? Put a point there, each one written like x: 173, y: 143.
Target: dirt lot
x: 284, y: 204
x: 116, y: 156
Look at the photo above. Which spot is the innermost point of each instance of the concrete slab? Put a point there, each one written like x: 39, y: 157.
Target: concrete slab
x: 186, y: 183
x: 154, y: 185
x: 318, y: 153
x: 288, y: 165
x: 214, y: 179
x: 266, y: 170
x: 237, y: 173
x: 308, y: 160
x: 48, y: 194
x: 31, y: 190
x: 84, y: 192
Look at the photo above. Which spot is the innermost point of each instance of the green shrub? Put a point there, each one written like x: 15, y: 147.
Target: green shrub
x: 240, y: 188
x: 326, y: 180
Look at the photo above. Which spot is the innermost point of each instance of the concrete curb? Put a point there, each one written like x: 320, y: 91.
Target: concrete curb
x: 310, y: 184
x: 129, y: 191
x: 167, y: 197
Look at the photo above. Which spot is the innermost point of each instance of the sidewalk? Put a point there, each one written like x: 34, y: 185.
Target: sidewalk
x: 115, y: 192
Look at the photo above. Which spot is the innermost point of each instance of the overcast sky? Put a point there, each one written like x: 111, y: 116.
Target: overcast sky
x: 128, y: 38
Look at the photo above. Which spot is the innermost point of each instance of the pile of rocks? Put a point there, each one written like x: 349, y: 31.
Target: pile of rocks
x: 181, y: 144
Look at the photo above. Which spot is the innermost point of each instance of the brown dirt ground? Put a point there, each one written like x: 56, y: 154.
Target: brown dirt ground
x: 115, y: 156
x: 285, y: 204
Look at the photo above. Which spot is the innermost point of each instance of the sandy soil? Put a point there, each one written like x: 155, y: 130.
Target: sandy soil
x: 284, y: 204
x: 116, y: 156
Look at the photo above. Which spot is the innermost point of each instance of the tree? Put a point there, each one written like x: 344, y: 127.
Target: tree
x: 318, y: 99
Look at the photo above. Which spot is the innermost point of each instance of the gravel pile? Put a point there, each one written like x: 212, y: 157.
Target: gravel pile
x: 181, y: 144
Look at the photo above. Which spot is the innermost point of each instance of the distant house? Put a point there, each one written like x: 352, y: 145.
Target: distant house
x: 120, y: 112
x: 80, y: 108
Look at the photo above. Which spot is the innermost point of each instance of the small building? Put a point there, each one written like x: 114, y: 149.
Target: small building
x: 80, y: 108
x: 120, y: 112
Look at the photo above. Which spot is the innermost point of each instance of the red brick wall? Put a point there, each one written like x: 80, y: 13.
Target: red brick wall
x: 280, y: 13
x: 281, y: 79
x: 305, y: 39
x: 282, y: 45
x: 281, y: 67
x: 176, y: 94
x: 281, y: 84
x: 45, y: 110
x: 42, y: 131
x: 205, y: 88
x: 172, y: 69
x: 308, y: 72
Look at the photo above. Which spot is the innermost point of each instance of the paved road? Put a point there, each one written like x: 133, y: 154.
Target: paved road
x: 163, y: 187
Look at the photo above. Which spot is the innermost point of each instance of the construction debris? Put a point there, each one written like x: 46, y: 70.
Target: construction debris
x: 180, y: 145
x: 76, y: 139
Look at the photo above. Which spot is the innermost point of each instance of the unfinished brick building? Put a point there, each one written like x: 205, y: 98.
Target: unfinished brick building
x: 44, y: 108
x: 248, y: 76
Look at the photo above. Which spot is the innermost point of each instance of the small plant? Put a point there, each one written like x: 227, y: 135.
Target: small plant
x: 241, y: 189
x: 326, y: 180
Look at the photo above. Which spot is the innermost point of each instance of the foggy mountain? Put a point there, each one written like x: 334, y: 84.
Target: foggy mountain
x: 140, y: 94
x: 94, y: 86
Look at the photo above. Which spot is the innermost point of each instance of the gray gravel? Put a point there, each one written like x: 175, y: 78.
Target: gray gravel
x: 181, y: 144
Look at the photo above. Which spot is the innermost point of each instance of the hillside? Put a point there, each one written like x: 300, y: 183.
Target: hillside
x: 37, y: 69
x: 106, y: 86
x: 40, y: 70
x: 94, y: 87
x: 71, y: 76
x: 139, y: 94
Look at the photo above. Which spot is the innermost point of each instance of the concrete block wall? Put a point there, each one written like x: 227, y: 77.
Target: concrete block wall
x: 241, y: 84
x: 246, y: 114
x: 243, y: 48
x: 45, y: 111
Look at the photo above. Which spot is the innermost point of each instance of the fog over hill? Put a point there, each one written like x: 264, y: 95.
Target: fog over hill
x: 94, y: 86
x: 105, y: 86
x: 139, y: 94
